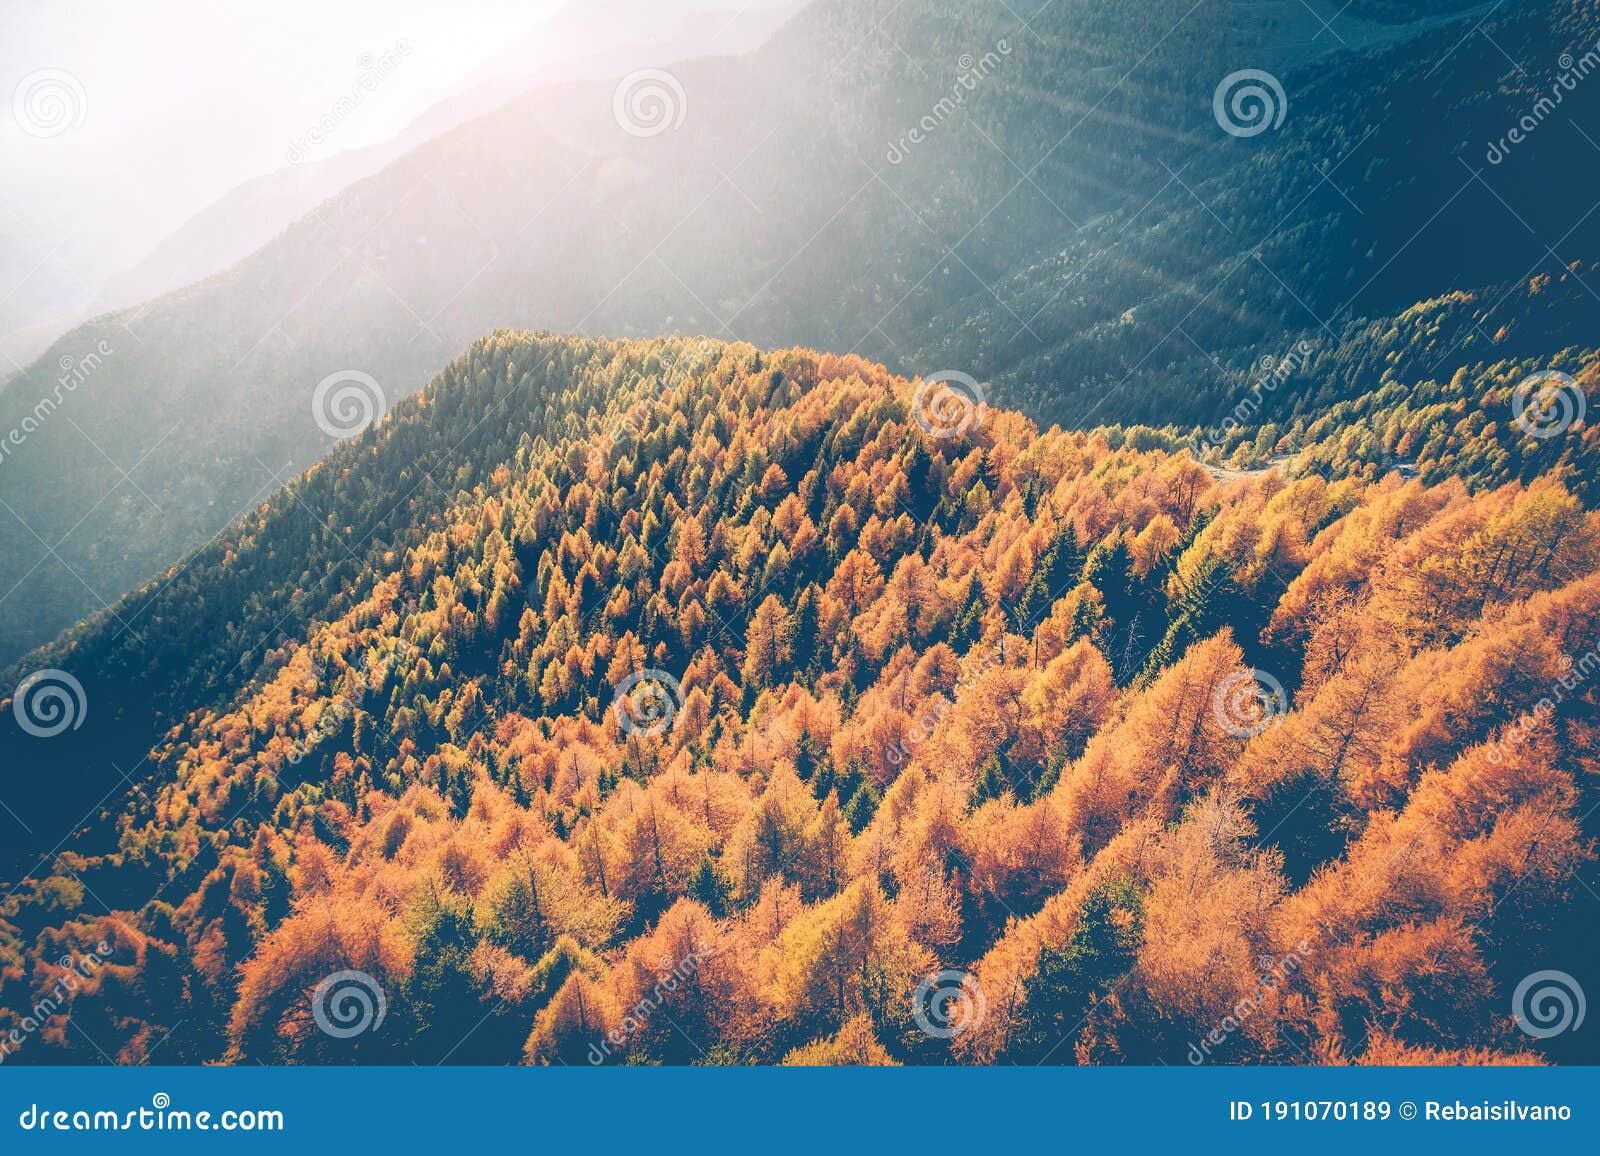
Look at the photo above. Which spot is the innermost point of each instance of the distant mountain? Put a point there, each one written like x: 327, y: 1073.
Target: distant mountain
x: 1043, y: 198
x: 580, y: 40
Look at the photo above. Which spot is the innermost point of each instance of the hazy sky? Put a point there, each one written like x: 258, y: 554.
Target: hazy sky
x: 122, y: 120
x: 173, y: 102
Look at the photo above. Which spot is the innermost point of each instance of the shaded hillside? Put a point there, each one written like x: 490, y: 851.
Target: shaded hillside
x: 1433, y: 391
x: 1375, y: 193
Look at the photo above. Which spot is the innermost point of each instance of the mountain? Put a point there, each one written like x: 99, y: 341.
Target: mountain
x: 674, y: 701
x: 1373, y: 395
x: 1387, y: 157
x: 1042, y: 198
x: 578, y: 41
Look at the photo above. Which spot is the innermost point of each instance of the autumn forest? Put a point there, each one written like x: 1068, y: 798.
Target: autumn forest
x: 923, y: 533
x: 744, y: 720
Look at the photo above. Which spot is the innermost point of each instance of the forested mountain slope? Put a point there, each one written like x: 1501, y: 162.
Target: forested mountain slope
x: 1038, y: 195
x: 1433, y: 391
x: 787, y: 680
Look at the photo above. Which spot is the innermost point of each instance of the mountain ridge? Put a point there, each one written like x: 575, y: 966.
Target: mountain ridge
x: 859, y: 240
x: 940, y: 688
